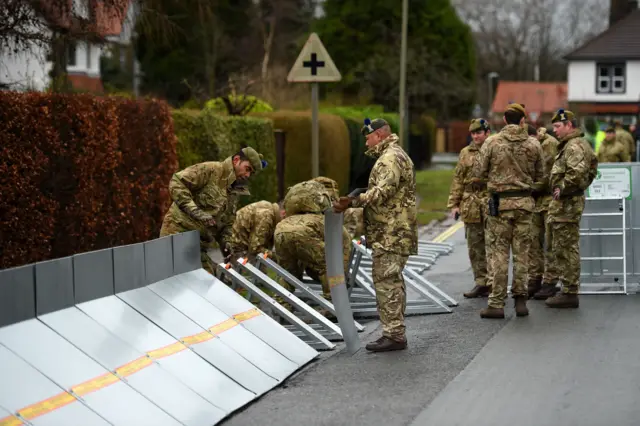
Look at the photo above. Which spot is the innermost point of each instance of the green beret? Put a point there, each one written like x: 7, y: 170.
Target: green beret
x: 479, y: 124
x: 517, y: 107
x: 254, y: 158
x: 371, y: 126
x: 562, y: 116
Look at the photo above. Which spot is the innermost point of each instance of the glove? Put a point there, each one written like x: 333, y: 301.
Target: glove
x: 342, y: 204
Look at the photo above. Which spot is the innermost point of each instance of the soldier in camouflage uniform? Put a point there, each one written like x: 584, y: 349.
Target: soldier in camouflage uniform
x: 469, y: 201
x: 330, y: 185
x: 299, y: 237
x: 354, y: 222
x: 626, y: 139
x: 512, y: 163
x: 538, y: 255
x: 205, y: 198
x: 390, y: 228
x: 253, y: 228
x: 612, y: 150
x: 574, y: 169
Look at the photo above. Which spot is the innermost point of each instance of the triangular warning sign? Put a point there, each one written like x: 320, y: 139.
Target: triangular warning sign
x: 314, y: 64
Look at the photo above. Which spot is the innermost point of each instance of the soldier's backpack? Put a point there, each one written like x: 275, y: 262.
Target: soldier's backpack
x: 306, y: 197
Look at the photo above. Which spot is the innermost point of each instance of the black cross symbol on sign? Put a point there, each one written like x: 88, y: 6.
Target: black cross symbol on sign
x: 314, y: 64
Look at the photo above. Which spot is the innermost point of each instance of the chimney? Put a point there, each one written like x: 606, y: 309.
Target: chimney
x: 619, y: 9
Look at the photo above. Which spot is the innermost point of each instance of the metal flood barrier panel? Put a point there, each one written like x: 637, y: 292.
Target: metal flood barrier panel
x: 138, y: 334
x: 609, y: 231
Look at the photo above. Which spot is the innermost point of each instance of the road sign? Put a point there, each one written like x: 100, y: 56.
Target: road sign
x: 314, y: 65
x: 611, y: 183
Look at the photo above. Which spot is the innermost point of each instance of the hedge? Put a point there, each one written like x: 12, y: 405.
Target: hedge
x: 206, y: 136
x: 81, y: 173
x: 334, y: 141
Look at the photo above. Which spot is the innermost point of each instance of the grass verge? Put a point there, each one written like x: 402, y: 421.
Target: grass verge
x: 432, y: 187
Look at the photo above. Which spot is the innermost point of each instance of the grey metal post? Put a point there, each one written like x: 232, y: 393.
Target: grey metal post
x: 403, y: 74
x: 315, y: 149
x: 335, y: 275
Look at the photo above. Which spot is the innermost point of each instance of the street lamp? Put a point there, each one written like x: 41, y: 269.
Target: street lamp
x: 490, y: 78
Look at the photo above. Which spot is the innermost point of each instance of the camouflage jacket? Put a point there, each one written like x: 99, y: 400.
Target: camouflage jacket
x: 549, y: 146
x: 573, y: 171
x: 390, y: 214
x: 613, y: 152
x: 254, y: 227
x: 471, y: 199
x: 206, y: 189
x: 512, y: 163
x: 354, y: 222
x: 627, y: 140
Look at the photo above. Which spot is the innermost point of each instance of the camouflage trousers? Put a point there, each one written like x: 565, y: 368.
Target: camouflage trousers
x: 169, y: 227
x: 564, y: 243
x: 508, y: 232
x: 298, y: 254
x: 474, y: 233
x: 391, y: 295
x: 539, y: 251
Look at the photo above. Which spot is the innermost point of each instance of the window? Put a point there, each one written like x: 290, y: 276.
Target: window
x: 71, y: 54
x: 81, y: 8
x: 88, y: 56
x: 610, y: 78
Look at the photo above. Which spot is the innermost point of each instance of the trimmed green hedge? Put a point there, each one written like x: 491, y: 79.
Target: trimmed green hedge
x: 335, y: 146
x: 206, y: 136
x: 359, y: 113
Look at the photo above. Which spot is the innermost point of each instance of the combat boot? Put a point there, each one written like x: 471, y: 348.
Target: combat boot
x: 385, y: 344
x: 478, y: 291
x: 489, y: 312
x: 533, y: 287
x: 564, y: 300
x: 547, y: 291
x: 521, y: 306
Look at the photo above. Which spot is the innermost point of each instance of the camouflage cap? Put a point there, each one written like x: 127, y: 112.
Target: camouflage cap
x: 371, y: 126
x: 562, y: 116
x: 255, y: 158
x: 479, y: 124
x: 610, y: 129
x: 516, y: 107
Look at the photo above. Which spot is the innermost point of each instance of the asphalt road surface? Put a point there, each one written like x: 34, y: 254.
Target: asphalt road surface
x: 551, y: 368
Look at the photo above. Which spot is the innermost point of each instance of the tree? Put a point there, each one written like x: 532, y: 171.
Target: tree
x: 364, y: 40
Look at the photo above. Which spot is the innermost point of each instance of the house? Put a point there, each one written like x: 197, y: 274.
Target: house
x: 604, y: 73
x: 541, y: 100
x: 28, y: 69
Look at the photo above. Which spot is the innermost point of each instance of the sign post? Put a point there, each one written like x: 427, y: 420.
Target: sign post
x: 314, y: 65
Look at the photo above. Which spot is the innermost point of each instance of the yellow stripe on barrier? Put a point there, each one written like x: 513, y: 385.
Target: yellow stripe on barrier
x: 65, y: 398
x: 11, y: 421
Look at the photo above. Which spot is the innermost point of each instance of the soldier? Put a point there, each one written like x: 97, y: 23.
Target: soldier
x: 538, y: 256
x: 612, y: 150
x: 354, y: 222
x: 390, y: 228
x: 253, y: 229
x: 574, y: 169
x: 469, y: 201
x: 330, y: 185
x: 512, y: 162
x: 626, y: 139
x: 299, y: 237
x: 205, y: 199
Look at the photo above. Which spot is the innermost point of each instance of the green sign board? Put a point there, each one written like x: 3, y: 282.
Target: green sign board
x: 613, y: 182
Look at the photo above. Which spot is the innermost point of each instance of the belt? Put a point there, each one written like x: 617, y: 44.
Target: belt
x: 513, y: 194
x: 475, y: 187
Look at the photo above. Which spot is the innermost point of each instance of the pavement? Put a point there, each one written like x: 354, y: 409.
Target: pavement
x: 551, y: 368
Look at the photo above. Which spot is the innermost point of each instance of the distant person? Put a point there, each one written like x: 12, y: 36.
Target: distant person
x: 626, y: 139
x: 205, y: 198
x: 573, y: 171
x: 469, y: 202
x: 511, y: 162
x: 611, y: 150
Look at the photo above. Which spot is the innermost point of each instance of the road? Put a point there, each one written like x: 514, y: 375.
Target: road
x: 551, y: 368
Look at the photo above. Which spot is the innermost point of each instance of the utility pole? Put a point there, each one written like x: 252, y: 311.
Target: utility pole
x: 403, y: 73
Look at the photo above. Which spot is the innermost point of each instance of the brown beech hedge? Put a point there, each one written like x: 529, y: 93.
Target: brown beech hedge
x: 81, y: 173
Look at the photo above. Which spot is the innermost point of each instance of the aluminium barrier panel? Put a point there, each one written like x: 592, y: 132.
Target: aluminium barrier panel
x: 74, y: 351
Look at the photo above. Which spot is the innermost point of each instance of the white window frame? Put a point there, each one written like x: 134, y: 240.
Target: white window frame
x: 611, y: 78
x: 81, y: 8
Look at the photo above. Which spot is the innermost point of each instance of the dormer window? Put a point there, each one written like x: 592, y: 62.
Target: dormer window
x: 610, y: 78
